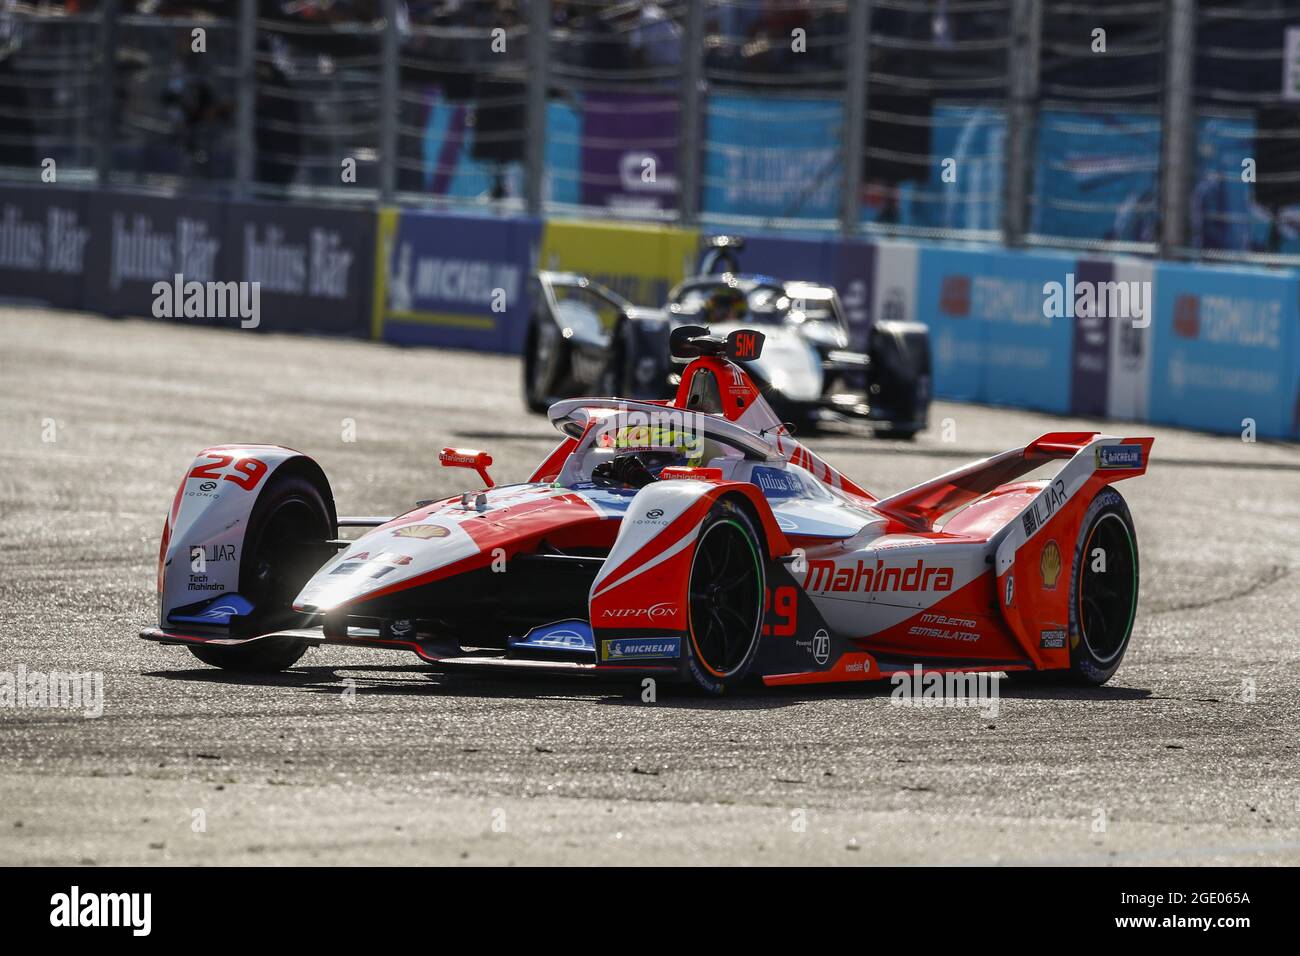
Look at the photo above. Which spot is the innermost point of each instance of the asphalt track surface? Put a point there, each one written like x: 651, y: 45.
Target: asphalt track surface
x: 360, y: 756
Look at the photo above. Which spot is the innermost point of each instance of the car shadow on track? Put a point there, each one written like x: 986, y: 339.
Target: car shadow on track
x: 425, y: 681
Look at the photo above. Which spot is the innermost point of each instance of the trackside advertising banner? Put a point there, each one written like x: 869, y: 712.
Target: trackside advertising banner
x: 44, y: 238
x: 139, y: 241
x: 641, y: 263
x: 456, y: 281
x: 267, y: 266
x: 993, y: 340
x: 1226, y: 349
x: 312, y: 265
x: 1193, y: 345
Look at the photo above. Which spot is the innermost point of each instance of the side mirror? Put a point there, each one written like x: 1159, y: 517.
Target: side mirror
x: 468, y: 458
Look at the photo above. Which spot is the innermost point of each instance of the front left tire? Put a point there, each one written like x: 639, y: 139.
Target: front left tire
x: 725, y: 599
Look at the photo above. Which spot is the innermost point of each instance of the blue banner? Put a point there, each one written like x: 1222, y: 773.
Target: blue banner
x: 991, y: 338
x: 1225, y: 349
x: 458, y: 281
x: 772, y: 156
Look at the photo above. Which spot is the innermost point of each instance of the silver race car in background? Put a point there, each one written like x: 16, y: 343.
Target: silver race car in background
x: 587, y: 339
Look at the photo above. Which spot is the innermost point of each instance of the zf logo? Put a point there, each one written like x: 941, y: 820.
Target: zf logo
x: 821, y: 646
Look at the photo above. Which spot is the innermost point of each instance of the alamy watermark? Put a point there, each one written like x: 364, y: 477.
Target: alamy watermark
x: 918, y: 688
x: 1084, y: 299
x: 179, y: 299
x: 55, y: 690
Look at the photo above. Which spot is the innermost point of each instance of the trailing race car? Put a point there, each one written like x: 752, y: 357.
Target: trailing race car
x: 585, y: 338
x: 693, y: 540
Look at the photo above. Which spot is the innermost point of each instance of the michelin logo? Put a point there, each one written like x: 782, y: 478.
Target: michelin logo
x: 631, y: 647
x: 1119, y: 456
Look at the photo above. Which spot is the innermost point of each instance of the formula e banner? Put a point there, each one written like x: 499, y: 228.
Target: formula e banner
x: 641, y: 263
x: 44, y: 237
x: 1226, y: 350
x: 458, y: 281
x: 993, y: 337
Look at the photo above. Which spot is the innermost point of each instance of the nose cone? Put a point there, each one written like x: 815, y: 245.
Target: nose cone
x: 440, y: 540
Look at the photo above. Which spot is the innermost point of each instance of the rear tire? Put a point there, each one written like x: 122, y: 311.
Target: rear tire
x: 278, y: 559
x: 1103, y: 590
x: 724, y: 599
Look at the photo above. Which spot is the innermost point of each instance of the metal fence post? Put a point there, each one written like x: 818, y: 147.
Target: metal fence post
x: 107, y: 90
x: 1022, y: 117
x: 538, y: 84
x: 690, y: 131
x: 246, y: 103
x: 390, y: 92
x: 853, y: 141
x: 1176, y: 125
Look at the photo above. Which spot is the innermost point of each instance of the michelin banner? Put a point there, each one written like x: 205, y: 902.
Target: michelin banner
x: 455, y: 281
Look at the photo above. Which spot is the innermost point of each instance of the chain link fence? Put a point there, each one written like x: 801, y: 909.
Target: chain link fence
x: 1169, y: 126
x: 1098, y: 130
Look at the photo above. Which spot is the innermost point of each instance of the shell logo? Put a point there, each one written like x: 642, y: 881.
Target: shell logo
x: 1049, y: 565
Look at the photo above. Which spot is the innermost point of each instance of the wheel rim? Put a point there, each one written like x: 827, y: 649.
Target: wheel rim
x: 277, y: 570
x: 725, y: 597
x: 1107, y: 599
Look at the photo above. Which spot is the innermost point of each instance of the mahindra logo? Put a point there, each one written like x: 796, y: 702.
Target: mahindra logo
x: 954, y: 298
x: 1187, y: 316
x: 824, y: 576
x: 654, y: 612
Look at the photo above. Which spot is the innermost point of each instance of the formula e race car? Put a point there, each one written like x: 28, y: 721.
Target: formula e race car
x: 584, y: 338
x: 692, y: 540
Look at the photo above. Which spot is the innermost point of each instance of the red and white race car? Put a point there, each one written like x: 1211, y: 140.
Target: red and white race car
x: 692, y: 539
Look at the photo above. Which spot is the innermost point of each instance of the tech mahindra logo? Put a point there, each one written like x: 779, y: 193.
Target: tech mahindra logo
x: 824, y: 577
x: 654, y: 612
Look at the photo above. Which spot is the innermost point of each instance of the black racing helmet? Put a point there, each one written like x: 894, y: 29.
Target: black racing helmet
x: 726, y: 304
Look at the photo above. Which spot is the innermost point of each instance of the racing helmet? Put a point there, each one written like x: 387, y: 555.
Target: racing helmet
x: 726, y: 304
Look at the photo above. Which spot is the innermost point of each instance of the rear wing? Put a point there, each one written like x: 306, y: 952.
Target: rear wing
x: 1090, y: 453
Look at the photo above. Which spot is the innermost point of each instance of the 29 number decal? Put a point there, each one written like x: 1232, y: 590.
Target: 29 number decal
x: 781, y: 604
x: 246, y: 472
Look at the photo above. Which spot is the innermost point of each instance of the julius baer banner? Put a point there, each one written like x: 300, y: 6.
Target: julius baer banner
x: 272, y: 267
